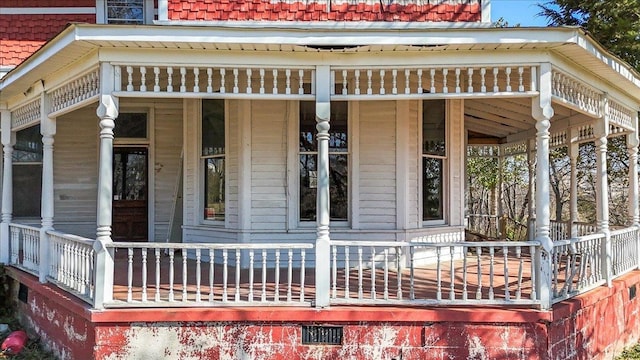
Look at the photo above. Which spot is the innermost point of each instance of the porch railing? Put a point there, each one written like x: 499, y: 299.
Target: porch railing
x: 72, y: 264
x: 360, y: 272
x: 369, y: 272
x: 25, y: 247
x: 212, y: 274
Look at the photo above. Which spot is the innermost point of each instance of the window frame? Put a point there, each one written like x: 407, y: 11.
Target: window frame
x: 445, y: 167
x: 201, y: 167
x: 148, y: 11
x: 334, y: 223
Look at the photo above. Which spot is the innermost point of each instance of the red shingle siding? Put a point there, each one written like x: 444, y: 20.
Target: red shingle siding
x: 22, y: 35
x: 266, y: 10
x: 45, y: 3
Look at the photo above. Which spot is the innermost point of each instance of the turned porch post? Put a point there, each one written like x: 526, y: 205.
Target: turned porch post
x: 531, y: 166
x: 632, y: 148
x: 107, y: 112
x: 573, y: 201
x: 8, y: 140
x: 601, y: 130
x: 323, y: 246
x: 48, y: 130
x: 542, y: 112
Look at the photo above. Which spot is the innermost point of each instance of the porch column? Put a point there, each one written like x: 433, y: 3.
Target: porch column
x: 573, y: 201
x: 107, y: 112
x: 8, y: 139
x: 601, y: 130
x: 632, y: 148
x: 542, y: 112
x: 323, y: 246
x: 500, y: 211
x: 48, y: 130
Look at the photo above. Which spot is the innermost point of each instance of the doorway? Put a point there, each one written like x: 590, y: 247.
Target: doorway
x: 130, y: 194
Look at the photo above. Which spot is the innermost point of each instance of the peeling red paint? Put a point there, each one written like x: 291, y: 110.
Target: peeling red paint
x: 595, y: 325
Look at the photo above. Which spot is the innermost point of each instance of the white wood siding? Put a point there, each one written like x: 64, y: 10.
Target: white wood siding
x: 455, y: 110
x: 75, y: 172
x: 268, y: 165
x: 167, y: 148
x: 413, y: 165
x: 377, y: 170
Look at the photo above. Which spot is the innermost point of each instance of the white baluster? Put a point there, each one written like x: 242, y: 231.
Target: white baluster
x: 491, y: 263
x: 373, y: 273
x: 251, y: 259
x: 470, y: 80
x: 157, y: 255
x: 357, y: 81
x: 520, y: 79
x: 407, y: 82
x: 508, y: 73
x: 237, y: 294
x: 198, y: 275
x: 144, y: 274
x: 464, y: 273
x: 290, y: 275
x: 520, y: 269
x: 300, y: 82
x: 263, y: 296
x: 196, y: 80
x: 344, y: 82
x: 143, y: 78
x: 438, y: 273
x: 275, y: 81
x: 183, y: 79
x: 212, y: 255
x: 347, y: 290
x: 171, y: 274
x: 334, y: 271
x: 169, y: 79
x: 287, y: 74
x: 394, y: 81
x: 452, y: 273
x: 495, y: 80
x: 235, y: 81
x: 209, y: 80
x: 382, y: 89
x: 432, y: 75
x: 249, y: 85
x: 129, y: 78
x: 369, y: 82
x: 276, y: 295
x: 483, y: 86
x: 386, y: 274
x: 505, y: 251
x: 225, y: 273
x: 457, y: 80
x: 360, y: 290
x: 129, y: 275
x: 479, y: 265
x: 156, y: 79
x: 303, y: 255
x: 184, y: 274
x: 223, y: 72
x: 261, y: 81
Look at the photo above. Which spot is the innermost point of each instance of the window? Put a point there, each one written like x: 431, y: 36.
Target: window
x: 434, y: 157
x: 213, y: 158
x: 338, y: 161
x: 125, y: 12
x: 27, y: 173
x: 131, y: 126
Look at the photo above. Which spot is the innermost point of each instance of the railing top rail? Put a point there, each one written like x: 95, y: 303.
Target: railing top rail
x: 589, y: 237
x: 207, y: 246
x: 26, y: 227
x: 623, y: 231
x: 434, y: 244
x: 564, y: 242
x: 74, y: 238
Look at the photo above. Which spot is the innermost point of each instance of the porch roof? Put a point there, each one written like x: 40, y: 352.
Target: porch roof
x: 80, y: 41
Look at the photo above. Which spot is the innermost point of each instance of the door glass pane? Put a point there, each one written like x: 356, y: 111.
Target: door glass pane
x: 214, y: 189
x: 338, y: 187
x: 136, y: 176
x: 118, y: 178
x: 432, y: 201
x: 28, y: 147
x: 338, y: 127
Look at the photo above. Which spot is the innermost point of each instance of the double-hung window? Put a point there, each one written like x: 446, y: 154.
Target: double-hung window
x: 338, y: 162
x: 27, y: 172
x: 434, y: 158
x: 130, y: 12
x: 213, y: 159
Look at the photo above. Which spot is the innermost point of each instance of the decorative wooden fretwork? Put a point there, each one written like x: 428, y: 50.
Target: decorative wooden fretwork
x: 75, y: 91
x: 438, y: 81
x: 213, y: 81
x: 488, y: 151
x: 26, y: 114
x: 576, y: 94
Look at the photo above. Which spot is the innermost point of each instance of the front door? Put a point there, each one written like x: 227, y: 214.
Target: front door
x: 130, y: 217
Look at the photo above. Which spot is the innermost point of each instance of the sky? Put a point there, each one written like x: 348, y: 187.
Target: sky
x: 515, y: 12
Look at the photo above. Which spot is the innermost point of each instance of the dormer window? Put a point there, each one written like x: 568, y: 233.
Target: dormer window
x: 129, y: 12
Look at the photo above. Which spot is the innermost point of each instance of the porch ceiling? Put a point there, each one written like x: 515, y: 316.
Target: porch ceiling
x: 80, y: 41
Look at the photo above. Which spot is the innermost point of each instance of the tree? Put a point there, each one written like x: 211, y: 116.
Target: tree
x: 615, y: 24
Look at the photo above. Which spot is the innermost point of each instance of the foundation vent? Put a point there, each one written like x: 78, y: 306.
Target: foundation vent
x: 321, y: 335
